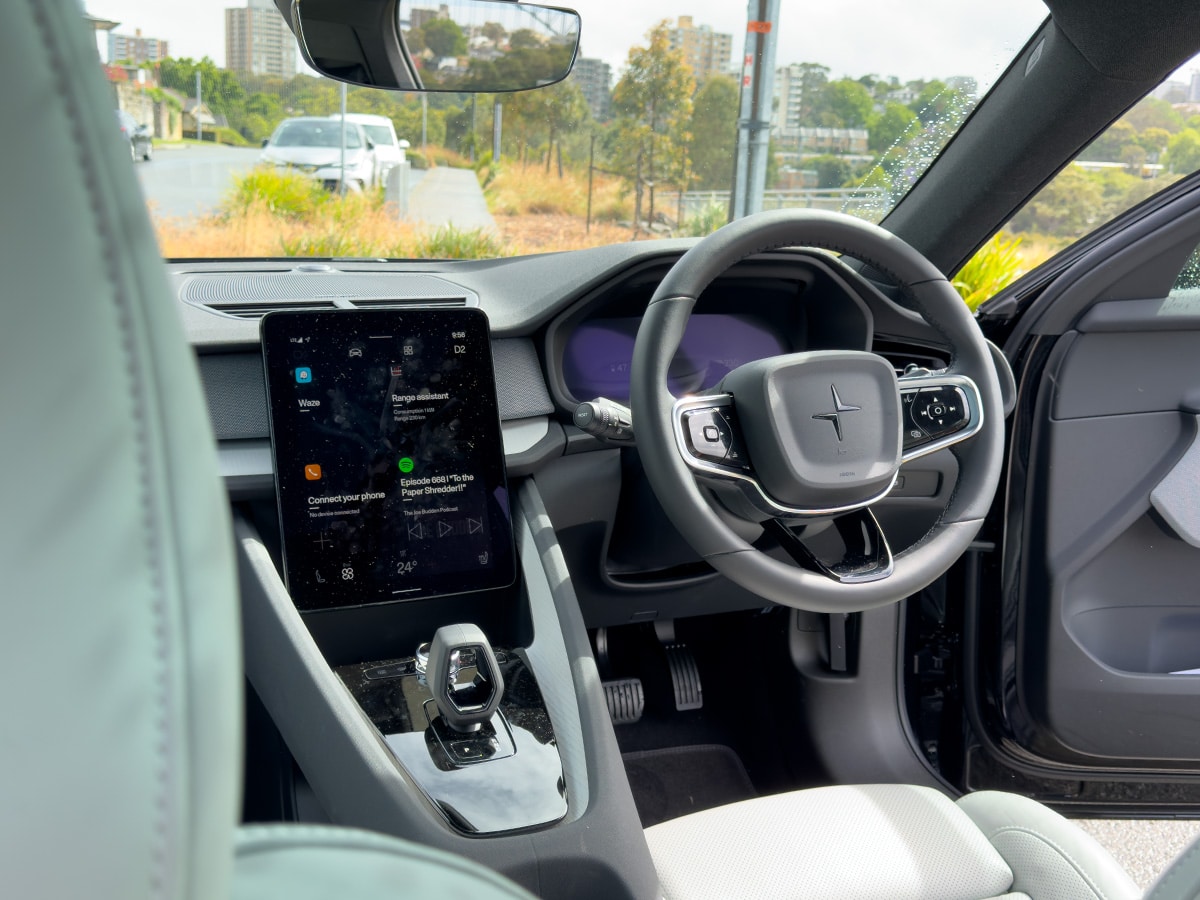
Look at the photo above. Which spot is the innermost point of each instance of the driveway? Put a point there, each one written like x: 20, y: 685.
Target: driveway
x: 450, y: 197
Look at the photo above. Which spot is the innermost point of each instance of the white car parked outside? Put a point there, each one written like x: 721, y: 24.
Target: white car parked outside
x: 312, y: 145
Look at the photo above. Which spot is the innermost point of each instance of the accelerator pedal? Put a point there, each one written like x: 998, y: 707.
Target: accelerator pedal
x: 626, y: 700
x: 685, y: 677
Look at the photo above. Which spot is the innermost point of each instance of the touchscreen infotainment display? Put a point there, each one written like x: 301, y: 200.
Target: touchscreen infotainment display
x: 388, y: 455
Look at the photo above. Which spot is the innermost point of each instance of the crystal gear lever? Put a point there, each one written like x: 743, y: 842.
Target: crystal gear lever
x: 464, y: 677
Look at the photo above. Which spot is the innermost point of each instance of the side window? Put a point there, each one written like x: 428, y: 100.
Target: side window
x: 1188, y: 282
x: 1148, y: 149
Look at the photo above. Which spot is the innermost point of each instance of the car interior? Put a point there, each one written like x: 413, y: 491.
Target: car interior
x: 743, y: 566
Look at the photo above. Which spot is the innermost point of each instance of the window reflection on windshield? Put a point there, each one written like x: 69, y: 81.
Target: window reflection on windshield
x: 312, y: 134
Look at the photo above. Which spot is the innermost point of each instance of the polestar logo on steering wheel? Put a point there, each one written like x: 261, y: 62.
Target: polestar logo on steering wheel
x: 838, y: 408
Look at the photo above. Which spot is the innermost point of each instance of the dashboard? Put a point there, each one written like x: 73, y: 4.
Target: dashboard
x: 562, y: 329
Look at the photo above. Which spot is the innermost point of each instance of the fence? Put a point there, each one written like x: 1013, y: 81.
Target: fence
x: 870, y: 203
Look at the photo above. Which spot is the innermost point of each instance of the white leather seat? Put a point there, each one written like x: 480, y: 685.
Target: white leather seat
x: 120, y: 667
x: 883, y: 841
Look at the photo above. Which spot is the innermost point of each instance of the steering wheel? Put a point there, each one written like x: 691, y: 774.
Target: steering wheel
x: 794, y: 442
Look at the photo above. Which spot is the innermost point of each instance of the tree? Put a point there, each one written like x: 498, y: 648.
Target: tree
x: 1183, y: 152
x: 1154, y: 113
x: 844, y: 104
x: 1109, y: 146
x: 890, y: 126
x: 713, y: 129
x: 444, y: 38
x: 524, y: 39
x: 653, y: 106
x: 1154, y: 141
x: 551, y: 111
x: 812, y: 77
x: 938, y: 103
x: 832, y: 171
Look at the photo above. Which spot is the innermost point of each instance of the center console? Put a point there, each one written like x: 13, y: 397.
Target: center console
x: 410, y: 626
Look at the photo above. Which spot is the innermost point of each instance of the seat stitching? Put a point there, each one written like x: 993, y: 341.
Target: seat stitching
x: 1079, y: 870
x: 116, y: 294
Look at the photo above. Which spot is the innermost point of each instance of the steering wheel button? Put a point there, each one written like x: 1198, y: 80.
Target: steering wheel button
x: 708, y: 433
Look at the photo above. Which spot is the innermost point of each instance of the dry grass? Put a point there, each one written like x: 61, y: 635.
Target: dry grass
x: 516, y: 190
x: 257, y: 232
x: 551, y: 233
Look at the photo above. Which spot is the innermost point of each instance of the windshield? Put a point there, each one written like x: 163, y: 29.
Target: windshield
x: 315, y: 134
x: 640, y: 142
x: 379, y: 134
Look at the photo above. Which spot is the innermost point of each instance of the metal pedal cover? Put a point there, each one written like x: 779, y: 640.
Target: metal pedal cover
x: 626, y: 700
x: 685, y: 677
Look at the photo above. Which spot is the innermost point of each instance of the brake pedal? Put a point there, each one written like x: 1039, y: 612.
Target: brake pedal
x: 685, y: 677
x: 626, y: 700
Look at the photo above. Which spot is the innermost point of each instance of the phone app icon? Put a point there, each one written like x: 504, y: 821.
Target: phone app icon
x: 303, y: 375
x: 312, y: 472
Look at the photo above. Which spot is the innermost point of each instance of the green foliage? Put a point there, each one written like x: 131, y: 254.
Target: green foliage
x: 220, y: 88
x: 832, y: 171
x: 891, y: 126
x: 707, y: 220
x: 1154, y: 113
x: 653, y: 106
x: 1183, y: 152
x: 713, y: 130
x: 444, y: 38
x: 290, y: 195
x: 449, y: 242
x: 844, y: 104
x: 330, y: 244
x: 994, y: 267
x: 1068, y: 205
x: 542, y: 117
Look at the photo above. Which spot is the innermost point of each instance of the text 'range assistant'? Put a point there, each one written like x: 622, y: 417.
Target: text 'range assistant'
x: 388, y: 455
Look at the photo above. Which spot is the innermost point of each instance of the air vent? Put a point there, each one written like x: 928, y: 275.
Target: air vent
x: 258, y: 310
x: 902, y: 355
x: 424, y: 301
x: 251, y: 295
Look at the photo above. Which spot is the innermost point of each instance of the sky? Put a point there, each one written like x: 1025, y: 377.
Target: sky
x: 911, y: 39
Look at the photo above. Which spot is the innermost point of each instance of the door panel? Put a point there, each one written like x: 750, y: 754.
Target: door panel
x: 1108, y: 603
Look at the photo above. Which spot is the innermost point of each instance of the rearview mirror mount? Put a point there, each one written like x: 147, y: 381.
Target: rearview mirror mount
x: 480, y: 46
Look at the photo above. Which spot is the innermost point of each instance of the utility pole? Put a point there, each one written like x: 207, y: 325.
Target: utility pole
x: 754, y: 120
x: 497, y: 124
x: 342, y: 179
x: 199, y: 127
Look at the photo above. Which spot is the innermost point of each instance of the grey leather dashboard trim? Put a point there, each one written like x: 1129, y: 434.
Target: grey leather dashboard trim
x: 237, y: 395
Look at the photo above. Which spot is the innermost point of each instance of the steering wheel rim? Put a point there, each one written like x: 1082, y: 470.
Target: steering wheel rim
x: 654, y: 410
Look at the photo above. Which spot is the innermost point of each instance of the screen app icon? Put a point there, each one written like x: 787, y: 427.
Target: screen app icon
x: 312, y: 472
x: 303, y: 375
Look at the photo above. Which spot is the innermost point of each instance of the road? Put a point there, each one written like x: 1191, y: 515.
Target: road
x: 450, y: 197
x: 191, y: 180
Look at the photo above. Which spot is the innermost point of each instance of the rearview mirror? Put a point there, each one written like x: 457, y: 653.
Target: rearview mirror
x: 481, y: 46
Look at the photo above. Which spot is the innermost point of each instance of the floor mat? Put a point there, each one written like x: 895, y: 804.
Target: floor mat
x: 679, y: 780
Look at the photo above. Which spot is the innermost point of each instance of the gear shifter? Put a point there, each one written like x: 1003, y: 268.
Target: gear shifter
x: 464, y: 677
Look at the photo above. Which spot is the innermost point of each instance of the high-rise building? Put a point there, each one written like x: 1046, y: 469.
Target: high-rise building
x: 135, y: 48
x: 258, y: 41
x: 708, y: 52
x: 796, y: 87
x: 594, y: 77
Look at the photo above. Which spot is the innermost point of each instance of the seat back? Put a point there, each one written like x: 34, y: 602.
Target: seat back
x: 120, y: 676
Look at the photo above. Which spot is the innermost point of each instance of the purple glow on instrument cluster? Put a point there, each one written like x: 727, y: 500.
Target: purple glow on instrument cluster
x: 597, y: 358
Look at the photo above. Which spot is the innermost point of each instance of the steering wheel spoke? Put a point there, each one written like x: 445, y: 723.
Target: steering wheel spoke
x: 939, y: 410
x: 854, y: 551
